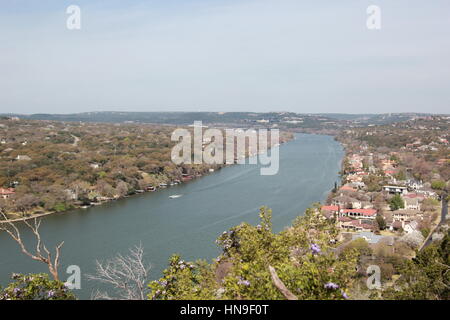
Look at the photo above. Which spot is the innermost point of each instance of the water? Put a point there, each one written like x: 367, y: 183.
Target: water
x: 187, y: 225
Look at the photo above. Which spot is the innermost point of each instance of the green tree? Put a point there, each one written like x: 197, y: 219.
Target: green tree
x: 438, y: 185
x: 426, y: 277
x: 396, y: 202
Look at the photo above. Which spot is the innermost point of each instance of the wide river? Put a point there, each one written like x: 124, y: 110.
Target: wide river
x: 188, y: 225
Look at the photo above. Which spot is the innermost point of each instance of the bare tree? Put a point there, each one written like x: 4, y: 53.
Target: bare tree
x: 127, y: 274
x: 41, y: 253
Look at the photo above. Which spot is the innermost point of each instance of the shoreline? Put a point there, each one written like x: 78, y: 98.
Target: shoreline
x: 94, y: 204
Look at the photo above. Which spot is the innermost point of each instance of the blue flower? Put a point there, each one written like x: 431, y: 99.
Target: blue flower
x: 344, y: 295
x: 315, y: 248
x: 331, y: 286
x: 244, y: 282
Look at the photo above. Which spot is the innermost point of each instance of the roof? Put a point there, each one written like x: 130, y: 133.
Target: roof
x: 413, y: 225
x: 366, y: 212
x: 397, y: 224
x: 394, y: 187
x: 405, y: 212
x: 330, y: 208
x: 358, y: 223
x: 411, y: 201
x: 345, y: 187
x: 8, y: 191
x: 413, y: 195
x: 370, y: 237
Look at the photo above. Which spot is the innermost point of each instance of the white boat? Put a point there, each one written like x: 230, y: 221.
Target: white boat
x: 175, y: 196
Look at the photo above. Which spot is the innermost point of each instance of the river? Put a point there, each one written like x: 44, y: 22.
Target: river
x: 187, y: 225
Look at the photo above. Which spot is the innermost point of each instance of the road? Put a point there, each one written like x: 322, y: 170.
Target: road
x: 444, y: 212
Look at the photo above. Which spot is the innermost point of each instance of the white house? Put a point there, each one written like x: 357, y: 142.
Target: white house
x: 411, y: 203
x: 411, y: 227
x: 395, y: 189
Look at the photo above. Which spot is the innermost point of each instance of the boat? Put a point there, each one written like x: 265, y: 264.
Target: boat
x: 175, y: 196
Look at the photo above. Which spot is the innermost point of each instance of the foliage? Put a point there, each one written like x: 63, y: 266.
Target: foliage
x: 360, y: 245
x: 438, y: 185
x: 302, y: 255
x: 396, y: 202
x: 425, y: 277
x: 381, y: 222
x: 35, y: 287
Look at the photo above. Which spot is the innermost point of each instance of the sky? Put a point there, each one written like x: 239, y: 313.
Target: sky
x: 225, y: 55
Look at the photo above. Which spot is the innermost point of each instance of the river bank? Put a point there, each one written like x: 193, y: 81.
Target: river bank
x: 185, y: 178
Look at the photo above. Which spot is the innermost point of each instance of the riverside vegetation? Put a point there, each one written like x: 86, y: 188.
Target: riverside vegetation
x: 50, y: 166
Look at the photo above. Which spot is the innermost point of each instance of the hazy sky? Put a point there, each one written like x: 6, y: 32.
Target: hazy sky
x: 225, y: 55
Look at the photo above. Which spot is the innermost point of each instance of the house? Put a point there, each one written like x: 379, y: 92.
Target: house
x: 23, y: 158
x: 366, y: 205
x: 395, y: 189
x: 329, y: 211
x: 347, y: 188
x: 411, y: 227
x: 411, y: 203
x: 356, y: 204
x: 6, y: 193
x: 414, y: 184
x: 404, y: 215
x: 343, y: 201
x: 354, y: 225
x: 427, y: 192
x: 415, y: 195
x: 359, y: 213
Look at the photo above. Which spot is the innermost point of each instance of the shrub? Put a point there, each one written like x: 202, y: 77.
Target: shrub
x: 35, y: 287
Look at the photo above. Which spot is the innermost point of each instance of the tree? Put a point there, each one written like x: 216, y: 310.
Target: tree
x: 438, y: 185
x: 413, y: 239
x: 426, y: 277
x: 127, y: 274
x: 381, y: 222
x: 396, y: 202
x: 41, y: 253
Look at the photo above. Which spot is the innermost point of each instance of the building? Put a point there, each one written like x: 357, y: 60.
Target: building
x: 6, y: 193
x: 395, y: 189
x: 404, y: 215
x: 354, y: 225
x: 330, y: 211
x: 414, y: 184
x: 411, y: 203
x: 359, y: 213
x: 23, y: 158
x: 411, y: 227
x: 343, y: 201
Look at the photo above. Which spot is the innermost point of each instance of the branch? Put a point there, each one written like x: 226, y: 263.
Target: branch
x: 280, y: 285
x: 14, y: 233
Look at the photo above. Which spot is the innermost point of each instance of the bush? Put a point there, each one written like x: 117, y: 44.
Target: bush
x: 35, y: 287
x: 302, y: 256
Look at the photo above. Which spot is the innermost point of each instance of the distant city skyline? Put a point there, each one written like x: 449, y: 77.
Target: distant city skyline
x: 225, y: 56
